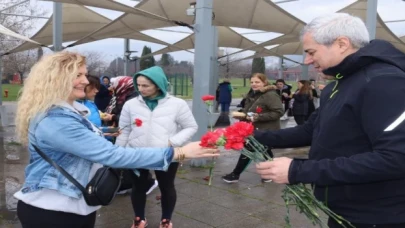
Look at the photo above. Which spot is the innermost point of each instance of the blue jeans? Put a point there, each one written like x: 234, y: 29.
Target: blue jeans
x: 225, y: 107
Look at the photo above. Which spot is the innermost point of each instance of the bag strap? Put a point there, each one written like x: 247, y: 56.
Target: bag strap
x: 60, y: 169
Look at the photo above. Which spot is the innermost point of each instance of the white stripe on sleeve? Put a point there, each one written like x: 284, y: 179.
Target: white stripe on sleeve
x: 397, y: 122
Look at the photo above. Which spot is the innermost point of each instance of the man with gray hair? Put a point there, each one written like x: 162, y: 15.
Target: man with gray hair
x: 357, y: 136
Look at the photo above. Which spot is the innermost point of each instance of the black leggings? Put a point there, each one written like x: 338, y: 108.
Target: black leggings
x: 244, y: 162
x: 34, y: 217
x: 166, y: 186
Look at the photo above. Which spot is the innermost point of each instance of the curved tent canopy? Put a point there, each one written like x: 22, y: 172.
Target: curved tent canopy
x: 258, y: 14
x: 120, y: 28
x: 8, y: 32
x: 359, y: 9
x: 245, y: 14
x: 108, y: 4
x: 227, y: 37
x: 77, y: 22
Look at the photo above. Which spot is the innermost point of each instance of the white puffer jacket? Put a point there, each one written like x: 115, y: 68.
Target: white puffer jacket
x: 170, y: 122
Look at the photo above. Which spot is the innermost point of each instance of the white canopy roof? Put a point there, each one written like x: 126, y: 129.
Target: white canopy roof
x: 290, y: 45
x: 119, y: 28
x: 227, y: 37
x: 106, y: 4
x: 261, y: 14
x: 77, y: 20
x: 359, y: 9
x: 8, y: 32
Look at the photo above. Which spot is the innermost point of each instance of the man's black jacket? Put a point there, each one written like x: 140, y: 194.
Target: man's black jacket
x: 357, y: 138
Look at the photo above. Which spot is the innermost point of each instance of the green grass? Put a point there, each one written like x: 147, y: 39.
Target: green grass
x: 237, y: 83
x: 12, y: 92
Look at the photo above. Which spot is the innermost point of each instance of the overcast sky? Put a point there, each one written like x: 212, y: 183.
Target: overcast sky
x: 302, y: 9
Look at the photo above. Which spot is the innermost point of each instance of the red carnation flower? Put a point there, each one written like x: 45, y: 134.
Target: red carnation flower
x: 208, y: 98
x: 138, y: 122
x: 259, y: 109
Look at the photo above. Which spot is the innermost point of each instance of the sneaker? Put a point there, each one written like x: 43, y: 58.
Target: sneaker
x: 231, y: 178
x: 153, y: 187
x: 124, y: 192
x: 266, y: 180
x: 165, y: 223
x: 138, y: 223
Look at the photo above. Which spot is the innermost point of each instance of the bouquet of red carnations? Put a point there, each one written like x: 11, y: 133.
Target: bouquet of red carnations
x: 239, y: 136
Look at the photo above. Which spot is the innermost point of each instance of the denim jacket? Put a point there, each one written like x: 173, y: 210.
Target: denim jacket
x: 67, y: 138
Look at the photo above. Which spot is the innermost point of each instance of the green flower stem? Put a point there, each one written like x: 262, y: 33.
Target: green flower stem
x: 213, y: 159
x: 211, y: 171
x: 294, y: 195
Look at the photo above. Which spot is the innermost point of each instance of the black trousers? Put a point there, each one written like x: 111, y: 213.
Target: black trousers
x: 166, y: 186
x: 34, y: 217
x: 244, y: 162
x: 333, y: 224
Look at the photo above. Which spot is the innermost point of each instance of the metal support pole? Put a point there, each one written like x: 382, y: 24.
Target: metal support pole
x: 1, y: 82
x: 280, y: 68
x: 214, y: 63
x: 126, y: 60
x: 371, y: 18
x: 202, y: 68
x: 57, y: 26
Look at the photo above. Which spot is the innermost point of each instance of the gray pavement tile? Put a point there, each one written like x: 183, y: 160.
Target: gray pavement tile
x: 209, y: 213
x: 200, y: 191
x: 250, y: 222
x: 277, y: 215
x: 268, y: 192
x: 123, y: 223
x: 107, y: 215
x: 239, y: 203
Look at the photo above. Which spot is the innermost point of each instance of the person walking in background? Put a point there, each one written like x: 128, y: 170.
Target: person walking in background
x: 104, y: 95
x: 301, y: 103
x: 284, y: 92
x: 225, y: 96
x: 166, y: 120
x: 263, y: 108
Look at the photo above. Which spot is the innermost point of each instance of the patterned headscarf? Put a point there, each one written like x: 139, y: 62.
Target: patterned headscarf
x: 123, y: 86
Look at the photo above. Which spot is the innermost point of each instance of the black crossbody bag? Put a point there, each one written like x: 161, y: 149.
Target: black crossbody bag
x: 101, y: 189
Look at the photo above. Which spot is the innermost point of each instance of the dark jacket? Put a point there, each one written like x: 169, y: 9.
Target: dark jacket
x: 225, y: 93
x: 357, y: 138
x: 272, y: 108
x: 103, y: 97
x: 118, y: 108
x: 301, y: 104
x: 284, y: 100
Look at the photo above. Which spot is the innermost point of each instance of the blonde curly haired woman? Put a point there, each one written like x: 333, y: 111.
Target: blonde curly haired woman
x: 49, y: 117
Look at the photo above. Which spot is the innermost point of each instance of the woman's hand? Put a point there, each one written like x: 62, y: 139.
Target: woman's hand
x: 106, y: 117
x: 194, y: 150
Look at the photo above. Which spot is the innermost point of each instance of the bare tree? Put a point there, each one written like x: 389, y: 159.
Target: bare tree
x: 19, y: 24
x: 20, y: 62
x: 95, y: 62
x: 230, y: 67
x: 23, y: 61
x: 116, y: 67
